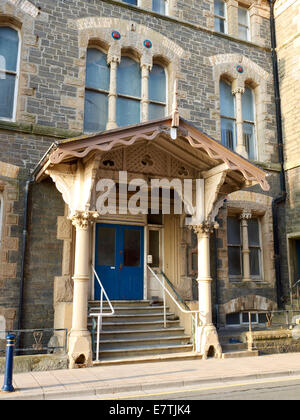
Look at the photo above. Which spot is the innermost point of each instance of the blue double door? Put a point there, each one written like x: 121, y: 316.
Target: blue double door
x: 119, y: 261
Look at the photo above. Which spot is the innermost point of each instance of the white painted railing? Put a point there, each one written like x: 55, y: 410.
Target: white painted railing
x: 99, y: 315
x: 194, y: 314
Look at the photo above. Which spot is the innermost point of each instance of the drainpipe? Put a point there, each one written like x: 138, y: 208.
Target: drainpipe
x: 28, y: 184
x: 281, y: 198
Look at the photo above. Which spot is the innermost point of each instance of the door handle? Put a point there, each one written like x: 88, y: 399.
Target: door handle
x: 112, y: 268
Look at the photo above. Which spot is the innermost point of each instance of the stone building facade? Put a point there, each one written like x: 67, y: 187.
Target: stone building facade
x: 288, y: 51
x: 196, y: 50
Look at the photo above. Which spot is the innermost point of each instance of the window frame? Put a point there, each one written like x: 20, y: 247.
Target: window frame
x: 94, y: 90
x: 166, y: 13
x: 247, y: 26
x: 16, y: 74
x: 164, y: 104
x: 234, y: 277
x: 224, y: 18
x: 253, y: 123
x: 226, y: 117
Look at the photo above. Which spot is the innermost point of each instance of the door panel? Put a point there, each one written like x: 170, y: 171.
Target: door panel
x: 119, y: 261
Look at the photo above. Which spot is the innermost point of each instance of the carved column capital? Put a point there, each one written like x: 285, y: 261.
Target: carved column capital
x: 246, y: 215
x: 82, y: 219
x: 238, y: 90
x: 206, y: 227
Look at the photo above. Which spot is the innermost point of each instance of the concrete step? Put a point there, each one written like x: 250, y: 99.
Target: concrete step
x: 145, y: 342
x: 143, y: 333
x: 120, y: 310
x: 96, y: 303
x: 235, y: 354
x: 140, y: 325
x: 142, y: 317
x: 157, y: 349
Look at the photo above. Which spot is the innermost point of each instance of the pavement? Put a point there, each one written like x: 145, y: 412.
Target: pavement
x: 100, y: 381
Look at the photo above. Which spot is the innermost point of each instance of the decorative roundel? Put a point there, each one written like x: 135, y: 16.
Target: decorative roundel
x: 147, y: 43
x: 116, y: 35
x: 240, y: 69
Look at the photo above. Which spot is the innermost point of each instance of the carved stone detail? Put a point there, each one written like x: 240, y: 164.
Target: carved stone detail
x: 82, y: 219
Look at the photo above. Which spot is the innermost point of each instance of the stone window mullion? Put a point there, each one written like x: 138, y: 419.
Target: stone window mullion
x: 113, y: 62
x: 245, y: 245
x: 240, y: 145
x: 146, y: 68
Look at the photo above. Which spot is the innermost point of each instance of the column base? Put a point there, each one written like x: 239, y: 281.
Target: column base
x: 80, y: 349
x: 207, y: 342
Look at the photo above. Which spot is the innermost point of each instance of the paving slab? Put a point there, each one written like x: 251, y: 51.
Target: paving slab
x: 141, y: 377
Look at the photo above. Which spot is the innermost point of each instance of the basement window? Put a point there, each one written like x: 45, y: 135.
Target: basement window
x: 242, y: 318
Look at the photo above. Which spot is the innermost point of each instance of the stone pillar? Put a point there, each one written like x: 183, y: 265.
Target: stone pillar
x: 245, y: 251
x: 80, y: 347
x: 207, y: 341
x: 232, y: 18
x: 240, y: 145
x: 113, y: 61
x: 146, y: 68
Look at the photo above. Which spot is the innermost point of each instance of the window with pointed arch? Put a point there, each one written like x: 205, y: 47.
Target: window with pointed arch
x: 228, y: 116
x: 9, y: 71
x: 118, y: 103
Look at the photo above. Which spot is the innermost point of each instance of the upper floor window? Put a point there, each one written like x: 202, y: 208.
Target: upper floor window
x: 159, y: 6
x: 115, y: 95
x: 157, y: 92
x: 230, y: 119
x: 9, y: 67
x: 248, y: 123
x: 97, y: 90
x: 134, y: 2
x: 220, y: 16
x: 243, y: 24
x: 129, y: 92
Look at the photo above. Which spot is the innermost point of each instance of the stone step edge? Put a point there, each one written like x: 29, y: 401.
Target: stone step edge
x: 145, y: 349
x: 141, y: 340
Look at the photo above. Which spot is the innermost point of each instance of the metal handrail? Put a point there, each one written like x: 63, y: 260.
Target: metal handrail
x: 165, y: 289
x: 101, y: 314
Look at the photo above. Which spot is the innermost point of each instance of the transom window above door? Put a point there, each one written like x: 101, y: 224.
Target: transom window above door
x: 122, y: 92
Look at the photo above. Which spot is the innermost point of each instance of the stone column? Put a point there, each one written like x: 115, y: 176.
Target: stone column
x: 232, y: 17
x: 113, y: 61
x: 245, y: 251
x: 240, y: 145
x: 206, y: 335
x: 146, y: 68
x: 80, y: 347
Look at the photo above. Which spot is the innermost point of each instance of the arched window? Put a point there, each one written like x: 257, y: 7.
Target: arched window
x: 9, y: 67
x: 228, y: 118
x: 157, y: 92
x: 160, y: 6
x: 96, y: 92
x: 248, y: 123
x: 128, y: 92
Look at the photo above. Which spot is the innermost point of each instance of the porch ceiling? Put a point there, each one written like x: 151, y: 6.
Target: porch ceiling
x: 202, y: 152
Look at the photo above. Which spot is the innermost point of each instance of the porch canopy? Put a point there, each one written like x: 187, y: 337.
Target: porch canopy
x: 176, y: 148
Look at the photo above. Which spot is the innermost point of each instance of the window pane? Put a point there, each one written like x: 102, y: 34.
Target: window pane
x: 132, y: 240
x: 234, y: 261
x: 159, y: 6
x: 97, y: 70
x: 247, y: 105
x: 243, y: 16
x: 157, y: 84
x: 245, y: 317
x: 156, y: 111
x: 253, y: 232
x: 7, y: 89
x: 130, y: 2
x: 249, y: 140
x: 128, y: 112
x: 219, y: 8
x: 243, y: 33
x: 9, y: 45
x: 254, y: 261
x: 106, y: 246
x: 226, y: 100
x: 233, y: 231
x: 233, y: 319
x: 95, y: 111
x: 228, y: 133
x: 154, y: 247
x: 129, y: 78
x: 220, y: 25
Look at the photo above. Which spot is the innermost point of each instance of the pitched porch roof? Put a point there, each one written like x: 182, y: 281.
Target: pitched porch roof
x: 188, y: 142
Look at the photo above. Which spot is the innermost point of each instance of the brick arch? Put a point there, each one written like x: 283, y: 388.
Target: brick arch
x: 249, y: 303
